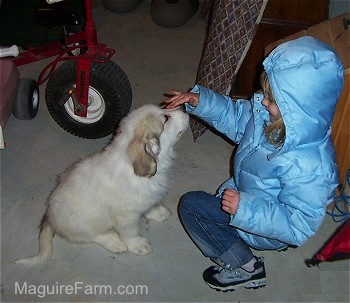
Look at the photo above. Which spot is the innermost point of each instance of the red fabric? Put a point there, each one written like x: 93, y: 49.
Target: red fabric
x: 339, y: 243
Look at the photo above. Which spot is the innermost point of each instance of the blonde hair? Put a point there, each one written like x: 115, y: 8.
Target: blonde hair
x: 276, y: 131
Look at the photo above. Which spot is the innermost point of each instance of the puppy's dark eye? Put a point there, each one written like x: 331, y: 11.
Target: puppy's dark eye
x: 167, y: 117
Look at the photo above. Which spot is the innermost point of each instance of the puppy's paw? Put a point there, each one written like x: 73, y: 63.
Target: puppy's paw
x: 111, y: 242
x: 158, y: 213
x: 118, y: 247
x: 139, y: 246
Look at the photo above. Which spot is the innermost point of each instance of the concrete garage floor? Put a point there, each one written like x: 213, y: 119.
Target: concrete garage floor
x: 155, y: 59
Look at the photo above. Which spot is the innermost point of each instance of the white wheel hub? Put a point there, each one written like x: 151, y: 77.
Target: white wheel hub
x: 35, y: 99
x: 95, y: 110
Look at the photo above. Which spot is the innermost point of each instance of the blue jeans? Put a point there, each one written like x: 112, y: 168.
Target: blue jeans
x: 208, y: 226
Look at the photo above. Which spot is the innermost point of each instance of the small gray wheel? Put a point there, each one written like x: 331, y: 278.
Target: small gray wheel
x: 26, y: 103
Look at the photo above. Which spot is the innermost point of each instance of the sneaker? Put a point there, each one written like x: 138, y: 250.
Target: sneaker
x: 225, y: 278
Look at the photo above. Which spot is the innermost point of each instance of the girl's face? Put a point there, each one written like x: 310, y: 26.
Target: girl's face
x: 271, y: 107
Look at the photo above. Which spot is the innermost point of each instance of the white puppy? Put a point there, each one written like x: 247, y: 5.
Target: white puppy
x: 101, y: 198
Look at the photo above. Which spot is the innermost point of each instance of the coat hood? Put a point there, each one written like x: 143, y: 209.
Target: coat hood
x: 306, y: 77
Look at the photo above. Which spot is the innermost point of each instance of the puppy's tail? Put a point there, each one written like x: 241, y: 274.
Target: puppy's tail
x: 45, y: 247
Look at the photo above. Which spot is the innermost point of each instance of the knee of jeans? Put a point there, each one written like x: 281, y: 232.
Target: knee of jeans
x: 188, y: 204
x: 185, y: 202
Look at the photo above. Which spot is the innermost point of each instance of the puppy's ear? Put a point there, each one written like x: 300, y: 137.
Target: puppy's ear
x: 145, y: 164
x: 144, y: 149
x: 153, y: 147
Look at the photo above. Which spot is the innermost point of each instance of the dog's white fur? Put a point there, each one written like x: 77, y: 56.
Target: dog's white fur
x: 102, y: 197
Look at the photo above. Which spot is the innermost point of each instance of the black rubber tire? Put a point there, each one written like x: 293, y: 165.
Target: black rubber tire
x: 109, y: 85
x: 26, y: 102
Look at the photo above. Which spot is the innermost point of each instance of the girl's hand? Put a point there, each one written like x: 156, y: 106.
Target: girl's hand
x: 180, y: 98
x: 230, y: 200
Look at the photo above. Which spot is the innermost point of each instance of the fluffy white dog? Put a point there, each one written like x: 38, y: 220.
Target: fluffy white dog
x: 102, y: 197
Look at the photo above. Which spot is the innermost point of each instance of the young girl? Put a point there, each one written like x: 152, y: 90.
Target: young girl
x: 285, y: 173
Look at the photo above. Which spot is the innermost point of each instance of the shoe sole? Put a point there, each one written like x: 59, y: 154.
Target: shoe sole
x: 255, y: 284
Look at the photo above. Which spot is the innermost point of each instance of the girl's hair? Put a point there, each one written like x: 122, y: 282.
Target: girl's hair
x: 276, y: 131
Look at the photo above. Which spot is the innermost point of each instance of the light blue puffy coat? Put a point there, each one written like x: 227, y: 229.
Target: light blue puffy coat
x: 284, y: 192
